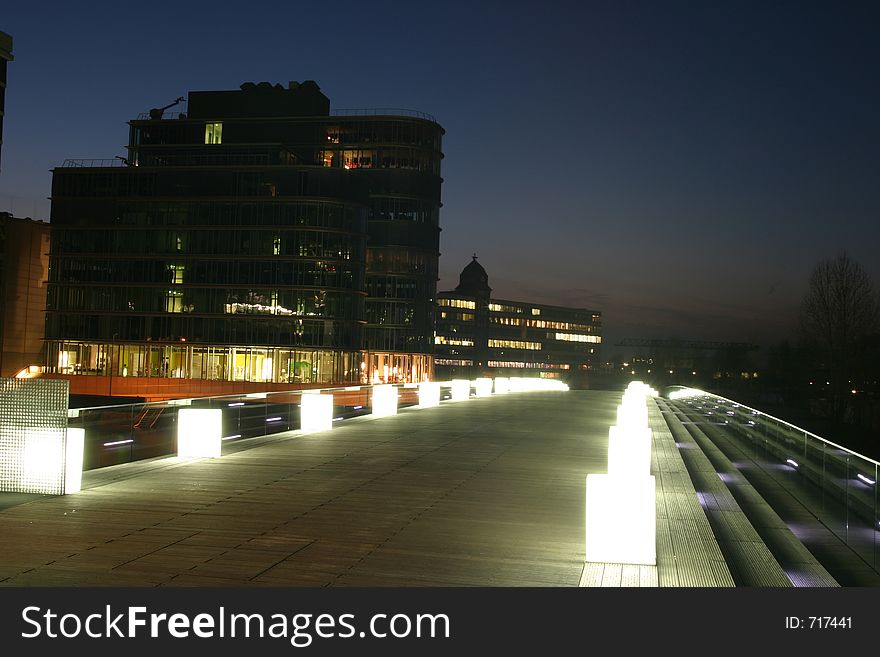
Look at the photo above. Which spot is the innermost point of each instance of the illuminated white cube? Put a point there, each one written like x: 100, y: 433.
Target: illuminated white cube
x: 198, y: 432
x: 484, y: 387
x: 316, y: 412
x: 629, y: 451
x: 502, y: 385
x: 516, y: 384
x: 621, y: 523
x: 461, y: 390
x: 632, y: 415
x: 73, y: 466
x: 384, y: 400
x: 42, y: 464
x: 429, y: 394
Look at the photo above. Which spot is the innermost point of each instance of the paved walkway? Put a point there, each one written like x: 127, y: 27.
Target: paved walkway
x: 486, y: 492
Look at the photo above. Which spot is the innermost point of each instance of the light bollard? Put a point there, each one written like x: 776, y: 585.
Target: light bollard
x: 632, y: 415
x: 621, y: 522
x: 316, y: 412
x: 483, y: 387
x: 502, y: 385
x: 384, y: 400
x: 461, y: 390
x: 198, y: 432
x: 629, y: 451
x: 429, y: 394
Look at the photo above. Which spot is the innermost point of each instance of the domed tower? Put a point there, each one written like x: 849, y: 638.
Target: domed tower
x: 463, y: 325
x: 474, y: 280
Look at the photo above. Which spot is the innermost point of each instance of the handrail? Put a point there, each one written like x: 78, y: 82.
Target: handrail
x: 789, y: 424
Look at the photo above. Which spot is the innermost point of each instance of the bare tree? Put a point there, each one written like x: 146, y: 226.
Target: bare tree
x: 839, y: 310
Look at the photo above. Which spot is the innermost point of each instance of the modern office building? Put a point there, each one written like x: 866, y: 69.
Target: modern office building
x: 256, y: 237
x: 24, y: 269
x: 5, y: 56
x: 477, y: 335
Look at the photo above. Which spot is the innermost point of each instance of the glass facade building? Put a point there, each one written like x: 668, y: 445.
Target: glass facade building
x: 477, y: 335
x: 256, y: 237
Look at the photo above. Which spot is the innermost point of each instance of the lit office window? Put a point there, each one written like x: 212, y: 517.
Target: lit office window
x: 174, y: 301
x: 213, y: 133
x: 177, y: 273
x: 514, y: 344
x: 574, y: 337
x: 457, y: 303
x: 442, y: 339
x: 536, y: 311
x: 504, y: 308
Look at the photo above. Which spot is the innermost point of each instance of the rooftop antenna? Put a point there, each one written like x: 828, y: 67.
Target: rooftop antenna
x: 156, y: 112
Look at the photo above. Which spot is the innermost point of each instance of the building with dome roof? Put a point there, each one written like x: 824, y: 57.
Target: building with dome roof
x: 477, y: 335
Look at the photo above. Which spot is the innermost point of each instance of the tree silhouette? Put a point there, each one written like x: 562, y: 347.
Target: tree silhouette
x: 839, y: 311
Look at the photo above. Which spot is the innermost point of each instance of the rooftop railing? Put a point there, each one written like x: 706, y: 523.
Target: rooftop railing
x: 383, y: 111
x: 94, y: 162
x: 370, y: 111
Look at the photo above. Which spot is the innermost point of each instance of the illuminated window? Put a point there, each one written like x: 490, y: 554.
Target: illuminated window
x: 536, y: 311
x: 442, y: 339
x: 528, y: 366
x: 213, y: 133
x: 457, y: 303
x: 574, y: 337
x: 176, y: 273
x: 461, y: 362
x: 514, y: 344
x: 174, y: 301
x: 503, y: 308
x: 276, y: 246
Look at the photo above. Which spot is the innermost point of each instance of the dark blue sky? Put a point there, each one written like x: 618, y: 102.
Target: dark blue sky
x: 679, y: 166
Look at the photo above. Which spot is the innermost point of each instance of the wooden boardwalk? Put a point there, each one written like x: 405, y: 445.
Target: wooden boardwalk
x: 488, y: 492
x: 687, y: 552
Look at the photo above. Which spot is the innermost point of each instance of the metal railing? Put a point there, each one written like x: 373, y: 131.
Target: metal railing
x: 383, y: 111
x: 94, y: 162
x: 131, y: 432
x: 836, y: 484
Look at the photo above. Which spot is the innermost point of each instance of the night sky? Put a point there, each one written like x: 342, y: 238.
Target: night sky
x: 679, y: 166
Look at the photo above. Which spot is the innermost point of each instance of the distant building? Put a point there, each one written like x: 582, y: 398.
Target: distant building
x: 5, y: 56
x: 477, y: 335
x: 24, y: 269
x: 255, y: 238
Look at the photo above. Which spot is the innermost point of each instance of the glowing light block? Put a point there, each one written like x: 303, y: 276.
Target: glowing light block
x: 42, y: 463
x: 484, y: 387
x: 73, y: 460
x: 629, y: 451
x: 630, y: 415
x: 384, y: 400
x: 516, y: 384
x: 502, y: 385
x: 621, y: 522
x: 316, y: 412
x: 429, y: 394
x: 198, y: 432
x: 461, y: 390
x: 33, y: 435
